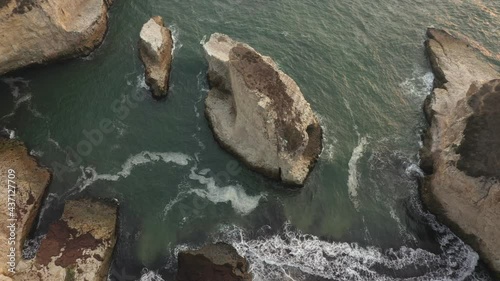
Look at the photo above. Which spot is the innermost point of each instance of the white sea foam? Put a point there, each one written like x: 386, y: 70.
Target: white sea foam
x: 203, y: 40
x: 51, y: 197
x: 36, y: 153
x: 175, y: 37
x: 353, y: 179
x: 19, y: 88
x: 141, y: 82
x: 151, y: 276
x: 292, y: 255
x: 329, y: 141
x: 31, y: 246
x: 90, y: 175
x: 413, y: 170
x: 8, y: 132
x: 20, y: 95
x: 240, y: 200
x: 419, y: 85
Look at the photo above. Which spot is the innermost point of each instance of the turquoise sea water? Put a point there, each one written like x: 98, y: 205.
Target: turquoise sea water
x: 361, y: 65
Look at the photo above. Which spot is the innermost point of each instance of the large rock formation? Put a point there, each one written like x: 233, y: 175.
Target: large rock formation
x: 461, y: 153
x: 39, y: 31
x: 77, y: 247
x: 155, y: 50
x: 26, y: 188
x: 258, y: 113
x: 215, y: 262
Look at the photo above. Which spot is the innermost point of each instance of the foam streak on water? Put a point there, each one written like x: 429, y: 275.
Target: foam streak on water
x: 90, y: 175
x: 353, y: 179
x: 240, y: 200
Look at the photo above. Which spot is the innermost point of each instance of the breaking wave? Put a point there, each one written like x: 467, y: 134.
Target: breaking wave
x: 419, y: 85
x: 292, y: 255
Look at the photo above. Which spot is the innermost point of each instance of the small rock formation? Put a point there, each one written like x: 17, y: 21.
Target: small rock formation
x: 461, y: 153
x: 215, y: 262
x: 258, y: 113
x: 27, y: 188
x: 79, y: 246
x: 39, y: 31
x: 155, y: 50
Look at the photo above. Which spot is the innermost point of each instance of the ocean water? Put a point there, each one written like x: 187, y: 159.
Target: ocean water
x: 361, y: 65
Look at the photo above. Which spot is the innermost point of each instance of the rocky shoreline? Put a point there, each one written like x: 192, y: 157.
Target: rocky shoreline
x: 259, y: 114
x: 64, y: 29
x: 461, y: 148
x: 78, y: 246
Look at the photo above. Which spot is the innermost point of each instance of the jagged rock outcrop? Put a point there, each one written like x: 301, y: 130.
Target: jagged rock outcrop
x: 155, y: 50
x: 40, y: 31
x: 258, y: 113
x: 77, y: 247
x: 461, y: 153
x: 214, y: 262
x: 28, y: 182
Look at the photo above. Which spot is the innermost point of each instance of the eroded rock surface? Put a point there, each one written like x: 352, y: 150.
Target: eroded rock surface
x: 258, y: 113
x: 28, y: 184
x: 462, y: 146
x: 155, y: 50
x: 77, y: 247
x: 39, y: 31
x: 215, y: 262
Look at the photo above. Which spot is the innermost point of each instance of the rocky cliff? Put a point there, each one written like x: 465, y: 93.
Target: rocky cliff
x: 155, y: 50
x: 258, y: 113
x: 22, y: 186
x: 215, y: 262
x: 39, y: 31
x: 77, y: 247
x: 461, y: 153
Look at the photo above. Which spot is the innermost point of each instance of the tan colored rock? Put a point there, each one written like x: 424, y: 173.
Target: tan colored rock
x: 37, y: 32
x: 29, y: 182
x: 258, y: 113
x: 77, y: 247
x: 214, y: 262
x: 155, y: 51
x: 461, y: 153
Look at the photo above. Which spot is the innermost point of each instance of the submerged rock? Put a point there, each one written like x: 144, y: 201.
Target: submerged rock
x: 28, y: 182
x: 258, y: 113
x: 461, y: 153
x: 37, y: 32
x: 79, y: 246
x: 155, y: 50
x: 215, y: 262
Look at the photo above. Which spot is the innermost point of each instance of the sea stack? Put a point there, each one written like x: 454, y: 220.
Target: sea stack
x: 214, y: 262
x: 461, y: 153
x: 258, y: 113
x: 37, y: 32
x: 155, y: 51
